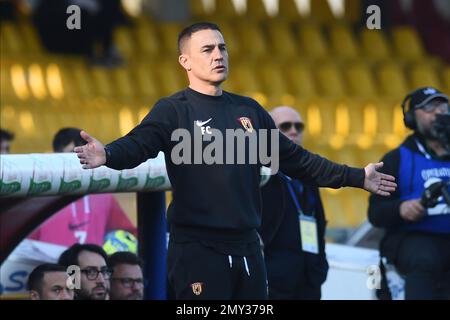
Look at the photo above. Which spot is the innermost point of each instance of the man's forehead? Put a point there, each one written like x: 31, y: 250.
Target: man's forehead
x: 207, y: 37
x: 128, y: 270
x: 55, y: 276
x: 90, y: 259
x: 285, y: 113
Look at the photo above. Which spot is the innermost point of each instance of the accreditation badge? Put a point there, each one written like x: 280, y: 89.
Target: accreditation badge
x: 308, y: 233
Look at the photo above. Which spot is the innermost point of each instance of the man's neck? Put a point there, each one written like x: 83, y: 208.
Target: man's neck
x: 210, y: 90
x: 436, y: 147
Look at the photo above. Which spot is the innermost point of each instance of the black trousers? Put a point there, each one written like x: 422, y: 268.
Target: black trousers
x: 200, y: 272
x: 424, y: 260
x: 295, y: 276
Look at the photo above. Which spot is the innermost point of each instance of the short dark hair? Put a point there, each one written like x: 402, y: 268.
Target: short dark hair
x: 124, y: 257
x: 65, y: 136
x: 70, y: 256
x: 37, y: 275
x: 187, y: 32
x: 5, y: 135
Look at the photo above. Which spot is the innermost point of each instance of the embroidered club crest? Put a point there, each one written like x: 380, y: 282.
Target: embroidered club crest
x: 246, y: 123
x: 197, y: 288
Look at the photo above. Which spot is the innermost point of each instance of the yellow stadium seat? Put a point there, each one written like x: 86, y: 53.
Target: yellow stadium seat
x: 11, y: 39
x: 407, y: 44
x: 375, y: 45
x: 243, y: 79
x: 168, y: 34
x: 320, y: 118
x: 147, y: 38
x: 300, y: 80
x: 287, y: 10
x: 123, y: 85
x: 253, y: 43
x: 321, y: 12
x: 256, y: 10
x: 422, y: 75
x: 124, y: 41
x: 31, y: 38
x: 360, y: 81
x: 329, y: 80
x: 273, y: 80
x: 389, y: 124
x: 83, y: 80
x: 102, y: 79
x: 197, y: 10
x: 343, y: 42
x: 225, y: 9
x: 352, y: 11
x: 171, y: 77
x: 313, y: 44
x: 282, y: 40
x: 144, y: 80
x: 391, y: 81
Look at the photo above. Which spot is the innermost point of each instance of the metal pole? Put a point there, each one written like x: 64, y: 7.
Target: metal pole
x: 151, y: 217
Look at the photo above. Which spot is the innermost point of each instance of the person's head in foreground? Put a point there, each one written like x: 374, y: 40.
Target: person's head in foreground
x: 95, y: 274
x: 49, y: 282
x: 204, y: 56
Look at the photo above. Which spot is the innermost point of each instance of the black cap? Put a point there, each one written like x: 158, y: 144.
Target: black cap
x: 422, y: 96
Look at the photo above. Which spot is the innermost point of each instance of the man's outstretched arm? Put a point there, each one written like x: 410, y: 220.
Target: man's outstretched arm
x: 145, y: 141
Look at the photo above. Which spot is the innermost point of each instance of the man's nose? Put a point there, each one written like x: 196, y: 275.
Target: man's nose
x: 218, y: 54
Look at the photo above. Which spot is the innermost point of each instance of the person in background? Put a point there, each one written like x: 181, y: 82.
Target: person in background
x: 296, y: 265
x: 127, y: 280
x: 49, y: 282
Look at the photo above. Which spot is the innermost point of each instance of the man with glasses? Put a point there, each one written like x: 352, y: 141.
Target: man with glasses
x: 296, y: 265
x: 127, y: 281
x: 417, y: 239
x: 94, y: 272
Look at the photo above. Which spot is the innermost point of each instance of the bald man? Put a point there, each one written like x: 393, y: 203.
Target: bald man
x: 296, y: 264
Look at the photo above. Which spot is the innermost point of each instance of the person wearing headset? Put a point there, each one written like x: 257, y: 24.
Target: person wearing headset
x: 417, y: 239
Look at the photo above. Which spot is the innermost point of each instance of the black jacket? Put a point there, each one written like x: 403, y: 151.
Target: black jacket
x: 281, y: 235
x: 218, y: 201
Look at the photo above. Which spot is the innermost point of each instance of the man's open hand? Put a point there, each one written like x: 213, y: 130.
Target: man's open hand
x: 377, y: 182
x: 92, y: 154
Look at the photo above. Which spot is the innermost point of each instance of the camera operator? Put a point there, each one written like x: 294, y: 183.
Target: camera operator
x: 417, y: 239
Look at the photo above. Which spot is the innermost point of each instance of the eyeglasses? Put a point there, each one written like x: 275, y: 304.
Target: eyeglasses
x: 433, y: 105
x: 130, y: 282
x: 92, y: 273
x: 286, y: 126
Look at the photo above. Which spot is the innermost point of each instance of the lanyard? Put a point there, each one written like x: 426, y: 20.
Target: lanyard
x: 293, y: 196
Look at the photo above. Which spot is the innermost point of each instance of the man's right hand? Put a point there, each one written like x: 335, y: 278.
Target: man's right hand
x: 412, y: 210
x: 92, y: 154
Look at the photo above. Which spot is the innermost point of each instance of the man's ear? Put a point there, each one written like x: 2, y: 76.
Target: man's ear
x: 184, y: 61
x: 34, y: 295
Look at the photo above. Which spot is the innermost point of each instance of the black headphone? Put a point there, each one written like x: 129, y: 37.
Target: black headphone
x: 409, y: 117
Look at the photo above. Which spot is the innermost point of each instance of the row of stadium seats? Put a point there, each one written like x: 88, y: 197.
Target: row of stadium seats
x: 274, y: 40
x: 70, y: 78
x: 319, y: 11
